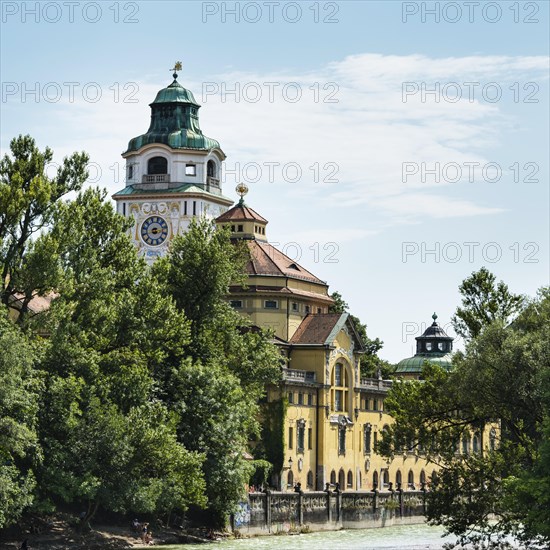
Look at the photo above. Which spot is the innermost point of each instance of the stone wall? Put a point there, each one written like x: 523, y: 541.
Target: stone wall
x: 273, y: 512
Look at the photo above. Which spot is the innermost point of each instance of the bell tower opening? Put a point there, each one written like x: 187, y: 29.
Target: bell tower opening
x: 157, y: 165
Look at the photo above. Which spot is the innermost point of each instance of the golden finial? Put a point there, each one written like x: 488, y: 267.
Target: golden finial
x: 242, y: 190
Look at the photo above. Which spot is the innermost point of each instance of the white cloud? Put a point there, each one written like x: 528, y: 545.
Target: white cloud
x: 366, y: 135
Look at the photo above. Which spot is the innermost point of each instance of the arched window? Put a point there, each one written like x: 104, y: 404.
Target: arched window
x: 350, y: 480
x: 367, y: 438
x: 290, y: 479
x: 333, y: 477
x: 398, y: 479
x: 476, y: 443
x: 385, y: 478
x: 410, y: 480
x: 310, y: 479
x: 375, y: 480
x: 466, y: 444
x: 211, y: 169
x: 157, y: 165
x: 342, y: 479
x: 434, y: 478
x: 422, y: 477
x: 492, y: 439
x: 359, y: 480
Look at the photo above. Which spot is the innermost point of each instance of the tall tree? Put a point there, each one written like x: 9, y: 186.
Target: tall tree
x: 216, y: 391
x: 20, y: 452
x: 109, y: 441
x: 483, y: 301
x: 28, y: 198
x: 501, y: 379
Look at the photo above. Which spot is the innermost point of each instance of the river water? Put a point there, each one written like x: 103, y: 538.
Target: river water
x: 403, y: 537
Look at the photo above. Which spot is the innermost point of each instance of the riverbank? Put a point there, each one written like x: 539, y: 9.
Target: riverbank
x: 61, y: 535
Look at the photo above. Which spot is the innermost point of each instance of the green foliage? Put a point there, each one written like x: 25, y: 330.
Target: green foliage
x: 272, y: 441
x: 19, y: 449
x: 371, y: 363
x: 216, y: 390
x: 483, y: 301
x: 501, y: 380
x: 262, y: 472
x: 28, y: 199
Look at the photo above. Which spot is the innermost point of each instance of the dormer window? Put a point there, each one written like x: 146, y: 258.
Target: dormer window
x: 190, y: 169
x: 428, y: 346
x: 294, y: 266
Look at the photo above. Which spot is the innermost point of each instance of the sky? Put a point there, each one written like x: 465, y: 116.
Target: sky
x: 395, y: 147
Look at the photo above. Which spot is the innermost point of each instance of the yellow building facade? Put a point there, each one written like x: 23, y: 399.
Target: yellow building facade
x: 332, y: 417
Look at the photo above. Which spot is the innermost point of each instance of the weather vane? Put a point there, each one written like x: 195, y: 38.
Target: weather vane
x: 177, y: 67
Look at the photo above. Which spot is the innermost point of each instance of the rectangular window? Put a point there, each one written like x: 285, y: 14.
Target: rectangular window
x: 190, y: 170
x: 309, y: 439
x: 338, y: 375
x: 237, y: 304
x: 375, y: 404
x: 375, y: 439
x: 240, y: 228
x: 308, y: 309
x: 271, y: 304
x: 290, y: 397
x: 338, y: 400
x: 319, y: 310
x: 310, y: 399
x: 130, y: 172
x: 301, y: 435
x: 300, y: 398
x: 367, y: 438
x: 124, y: 209
x: 294, y: 306
x: 194, y: 208
x: 342, y: 441
x: 185, y: 208
x: 290, y: 438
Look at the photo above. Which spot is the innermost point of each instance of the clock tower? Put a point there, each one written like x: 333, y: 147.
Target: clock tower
x: 173, y: 173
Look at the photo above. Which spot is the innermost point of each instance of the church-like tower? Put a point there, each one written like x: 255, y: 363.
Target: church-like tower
x: 173, y: 173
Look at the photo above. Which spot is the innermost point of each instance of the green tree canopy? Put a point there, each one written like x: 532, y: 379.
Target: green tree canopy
x: 483, y: 301
x: 500, y: 382
x: 20, y: 452
x: 28, y: 199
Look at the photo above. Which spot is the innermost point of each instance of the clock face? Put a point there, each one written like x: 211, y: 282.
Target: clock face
x: 154, y: 230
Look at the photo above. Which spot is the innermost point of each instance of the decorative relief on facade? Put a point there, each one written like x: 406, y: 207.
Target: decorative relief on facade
x: 341, y: 351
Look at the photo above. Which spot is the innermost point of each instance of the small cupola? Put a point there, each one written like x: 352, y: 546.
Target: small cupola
x: 434, y: 346
x: 243, y: 222
x: 434, y: 340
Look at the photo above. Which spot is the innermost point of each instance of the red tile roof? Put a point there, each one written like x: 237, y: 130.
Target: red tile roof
x: 315, y: 329
x: 240, y: 212
x: 265, y: 259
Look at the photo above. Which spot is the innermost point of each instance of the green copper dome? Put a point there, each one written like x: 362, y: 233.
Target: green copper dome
x: 414, y: 364
x: 174, y: 122
x: 175, y: 93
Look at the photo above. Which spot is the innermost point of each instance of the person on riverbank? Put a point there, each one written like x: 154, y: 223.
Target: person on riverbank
x: 144, y: 531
